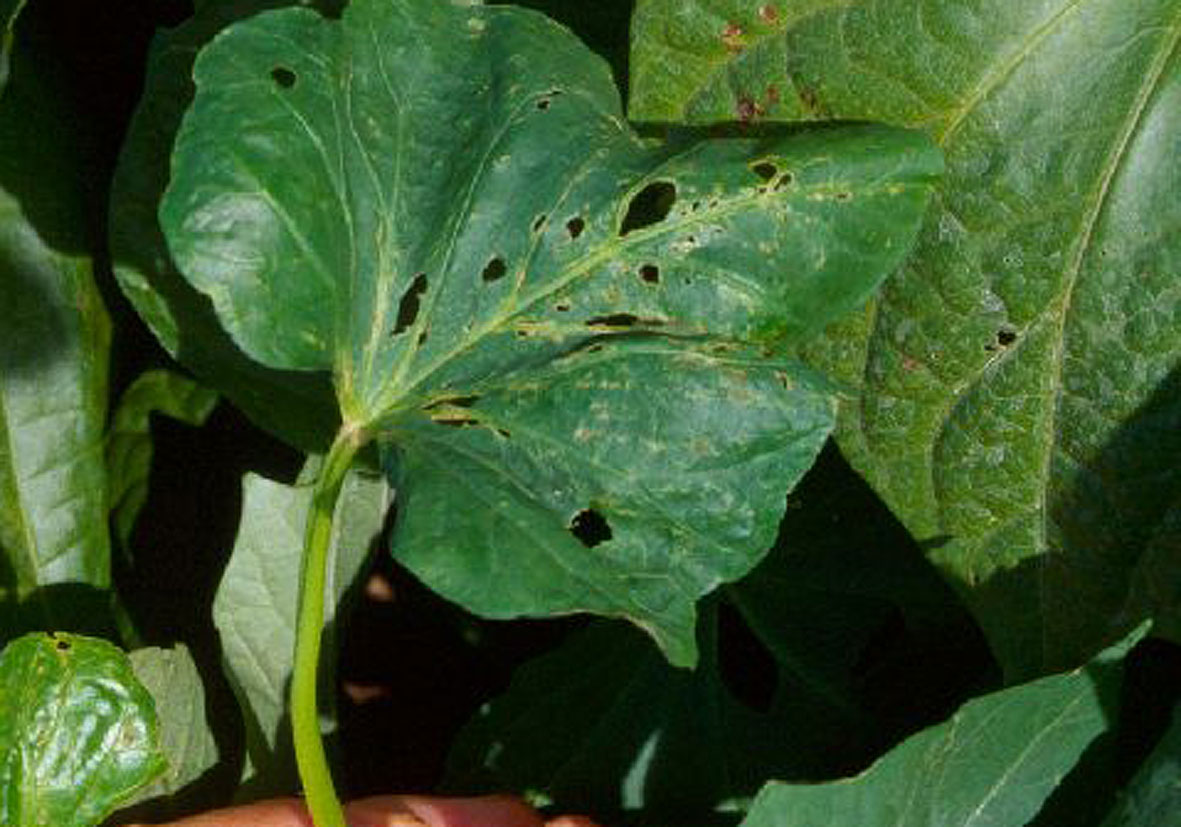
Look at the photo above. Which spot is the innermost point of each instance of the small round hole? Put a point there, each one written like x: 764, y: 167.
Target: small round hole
x: 283, y: 77
x: 575, y: 226
x: 494, y: 269
x: 650, y: 273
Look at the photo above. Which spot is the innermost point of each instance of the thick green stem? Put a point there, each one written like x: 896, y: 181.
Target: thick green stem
x: 305, y: 724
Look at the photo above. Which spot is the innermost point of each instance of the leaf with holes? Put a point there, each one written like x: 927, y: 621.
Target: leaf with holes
x: 77, y: 731
x: 554, y: 329
x: 1020, y: 404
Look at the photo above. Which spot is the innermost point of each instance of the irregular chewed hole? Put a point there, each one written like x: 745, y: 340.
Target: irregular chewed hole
x: 765, y: 170
x: 844, y: 195
x: 649, y: 206
x: 408, y: 307
x: 283, y: 77
x: 1004, y: 338
x: 575, y: 226
x: 650, y: 273
x: 748, y: 669
x: 785, y: 180
x: 613, y: 320
x: 544, y: 102
x: 539, y: 222
x: 562, y: 307
x: 422, y: 338
x: 61, y: 644
x: 494, y: 269
x: 590, y: 528
x: 454, y: 402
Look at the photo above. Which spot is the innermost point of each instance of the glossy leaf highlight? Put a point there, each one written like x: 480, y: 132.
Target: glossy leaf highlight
x: 78, y: 732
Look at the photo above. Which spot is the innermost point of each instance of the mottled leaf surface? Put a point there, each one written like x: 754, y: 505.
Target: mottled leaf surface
x: 78, y: 732
x: 498, y: 272
x: 255, y: 606
x: 1019, y: 403
x: 54, y: 347
x: 995, y: 761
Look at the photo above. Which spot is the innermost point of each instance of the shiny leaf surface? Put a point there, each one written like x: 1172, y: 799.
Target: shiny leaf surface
x: 78, y: 732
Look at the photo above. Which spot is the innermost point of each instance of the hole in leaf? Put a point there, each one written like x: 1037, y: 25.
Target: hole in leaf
x: 1004, y: 338
x: 422, y: 338
x: 748, y: 669
x: 61, y: 644
x: 544, y: 102
x: 494, y: 269
x: 455, y: 421
x: 785, y: 180
x: 408, y: 307
x: 539, y: 222
x: 613, y: 320
x: 575, y: 226
x: 765, y: 170
x: 454, y: 402
x: 844, y: 195
x: 283, y: 77
x: 504, y: 432
x: 649, y: 206
x: 590, y: 528
x: 650, y: 273
x: 563, y: 307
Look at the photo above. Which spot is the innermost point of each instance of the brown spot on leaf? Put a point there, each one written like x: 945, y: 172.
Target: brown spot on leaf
x: 732, y: 38
x: 748, y: 109
x: 768, y: 13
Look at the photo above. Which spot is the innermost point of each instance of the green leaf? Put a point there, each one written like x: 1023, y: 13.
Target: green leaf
x: 1019, y: 377
x: 129, y: 438
x: 296, y: 407
x: 77, y: 731
x: 603, y: 724
x: 995, y: 761
x: 186, y: 741
x: 1153, y: 798
x: 53, y: 352
x: 477, y: 238
x: 255, y: 606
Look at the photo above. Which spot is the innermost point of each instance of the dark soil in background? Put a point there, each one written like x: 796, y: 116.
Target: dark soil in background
x: 418, y: 667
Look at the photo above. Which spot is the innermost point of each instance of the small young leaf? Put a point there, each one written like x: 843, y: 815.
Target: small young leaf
x: 78, y: 733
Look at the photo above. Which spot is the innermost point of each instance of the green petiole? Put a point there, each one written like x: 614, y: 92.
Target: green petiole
x: 319, y: 792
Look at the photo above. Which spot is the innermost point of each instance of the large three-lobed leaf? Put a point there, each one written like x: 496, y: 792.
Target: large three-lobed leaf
x: 1019, y: 404
x: 556, y: 329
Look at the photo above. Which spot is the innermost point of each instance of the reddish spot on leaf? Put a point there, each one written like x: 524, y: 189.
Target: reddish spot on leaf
x: 748, y: 109
x: 732, y: 37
